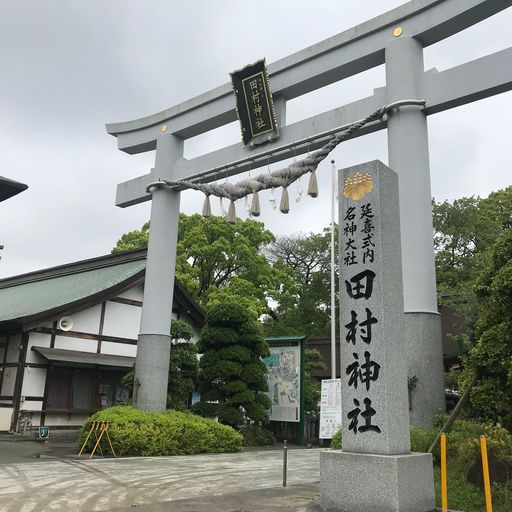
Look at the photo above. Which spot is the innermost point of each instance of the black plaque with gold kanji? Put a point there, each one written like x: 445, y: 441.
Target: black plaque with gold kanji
x: 254, y: 103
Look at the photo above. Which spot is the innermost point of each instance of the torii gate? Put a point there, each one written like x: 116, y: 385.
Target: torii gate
x: 396, y: 38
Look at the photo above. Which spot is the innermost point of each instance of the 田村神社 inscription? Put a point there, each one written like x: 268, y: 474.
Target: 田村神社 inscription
x: 254, y: 103
x: 374, y: 377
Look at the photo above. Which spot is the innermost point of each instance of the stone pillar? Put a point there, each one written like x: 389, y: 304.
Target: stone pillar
x: 409, y: 158
x: 153, y: 348
x: 375, y: 470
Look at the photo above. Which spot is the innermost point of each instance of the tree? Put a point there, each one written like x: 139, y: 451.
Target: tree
x: 473, y: 242
x: 307, y: 308
x: 464, y: 233
x: 491, y: 354
x: 137, y: 239
x: 312, y: 391
x: 218, y: 262
x: 232, y: 378
x: 183, y: 367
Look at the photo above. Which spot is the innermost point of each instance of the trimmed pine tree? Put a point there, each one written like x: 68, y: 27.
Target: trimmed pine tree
x: 232, y: 376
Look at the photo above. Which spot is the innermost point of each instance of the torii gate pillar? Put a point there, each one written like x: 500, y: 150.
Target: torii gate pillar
x: 409, y: 158
x: 154, y: 343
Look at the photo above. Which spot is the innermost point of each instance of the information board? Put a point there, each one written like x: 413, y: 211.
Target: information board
x: 284, y: 382
x: 330, y: 408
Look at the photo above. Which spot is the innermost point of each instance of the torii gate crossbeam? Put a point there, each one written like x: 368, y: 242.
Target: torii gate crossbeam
x: 423, y: 22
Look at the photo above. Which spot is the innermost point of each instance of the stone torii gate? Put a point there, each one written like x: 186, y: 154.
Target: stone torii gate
x: 397, y: 39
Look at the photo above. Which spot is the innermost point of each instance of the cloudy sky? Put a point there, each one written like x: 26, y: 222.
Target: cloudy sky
x: 69, y: 67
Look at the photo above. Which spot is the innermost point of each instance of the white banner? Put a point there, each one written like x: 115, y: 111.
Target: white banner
x: 330, y: 408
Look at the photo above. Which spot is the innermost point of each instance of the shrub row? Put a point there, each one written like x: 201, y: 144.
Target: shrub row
x: 139, y: 433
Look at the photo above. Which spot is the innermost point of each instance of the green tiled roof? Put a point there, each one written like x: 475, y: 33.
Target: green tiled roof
x: 32, y: 297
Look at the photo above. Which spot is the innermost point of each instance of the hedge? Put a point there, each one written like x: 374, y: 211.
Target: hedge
x: 139, y: 433
x: 465, y: 489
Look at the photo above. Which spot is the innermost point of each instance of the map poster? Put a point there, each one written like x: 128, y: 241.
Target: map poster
x: 330, y: 408
x: 284, y: 381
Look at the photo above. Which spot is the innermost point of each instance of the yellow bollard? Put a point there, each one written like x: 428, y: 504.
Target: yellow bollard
x: 485, y: 469
x: 444, y: 492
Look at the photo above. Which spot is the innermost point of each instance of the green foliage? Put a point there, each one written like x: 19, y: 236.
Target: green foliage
x: 461, y: 494
x: 255, y: 435
x: 223, y: 263
x: 465, y: 232
x: 306, y: 308
x: 463, y: 450
x: 421, y: 440
x: 137, y: 239
x: 451, y: 380
x: 336, y: 441
x: 312, y: 388
x: 183, y: 370
x: 491, y: 354
x: 138, y: 433
x: 473, y: 242
x: 231, y: 371
x: 227, y: 314
x: 183, y: 367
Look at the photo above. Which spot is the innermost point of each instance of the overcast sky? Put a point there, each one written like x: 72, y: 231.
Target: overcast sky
x: 69, y: 67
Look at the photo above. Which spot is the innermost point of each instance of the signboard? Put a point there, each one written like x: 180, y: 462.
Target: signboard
x: 254, y: 104
x: 330, y: 408
x: 284, y: 383
x: 44, y: 432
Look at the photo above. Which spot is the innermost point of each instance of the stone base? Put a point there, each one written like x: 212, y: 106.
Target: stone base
x: 363, y: 482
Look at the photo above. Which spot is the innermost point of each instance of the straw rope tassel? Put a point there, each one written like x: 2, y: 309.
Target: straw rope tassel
x: 231, y: 213
x: 313, y: 185
x: 255, y: 205
x: 285, y: 202
x: 207, y: 207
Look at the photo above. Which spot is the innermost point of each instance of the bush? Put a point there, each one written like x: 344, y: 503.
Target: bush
x: 464, y: 463
x: 421, y: 440
x: 227, y: 314
x: 336, y: 441
x: 139, y: 433
x: 257, y: 436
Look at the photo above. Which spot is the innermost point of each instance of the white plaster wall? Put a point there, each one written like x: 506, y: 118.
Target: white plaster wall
x: 65, y: 420
x: 79, y: 344
x: 31, y: 405
x: 87, y: 320
x: 13, y: 352
x: 37, y: 339
x: 36, y: 418
x: 8, y: 382
x: 33, y: 381
x: 122, y: 320
x: 5, y: 418
x: 134, y: 293
x: 118, y: 349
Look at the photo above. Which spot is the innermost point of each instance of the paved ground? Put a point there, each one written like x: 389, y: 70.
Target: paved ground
x: 15, y: 452
x: 240, y: 482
